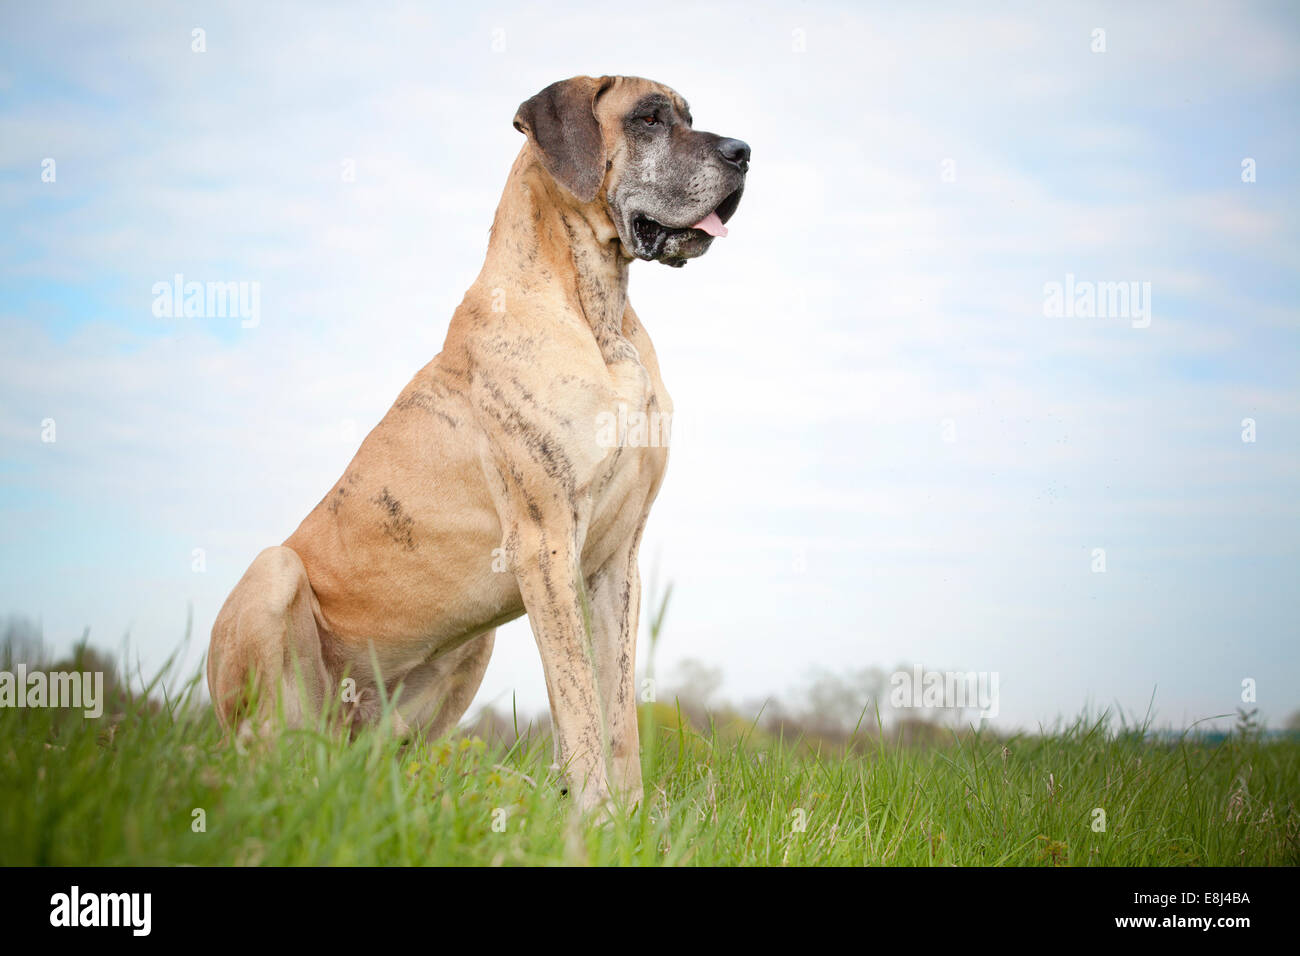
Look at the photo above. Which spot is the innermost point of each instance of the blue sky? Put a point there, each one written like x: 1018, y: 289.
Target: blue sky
x: 859, y: 304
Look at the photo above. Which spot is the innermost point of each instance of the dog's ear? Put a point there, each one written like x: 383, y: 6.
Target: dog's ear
x: 561, y: 123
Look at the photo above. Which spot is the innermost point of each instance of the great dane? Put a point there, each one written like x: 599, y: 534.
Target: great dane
x: 493, y: 488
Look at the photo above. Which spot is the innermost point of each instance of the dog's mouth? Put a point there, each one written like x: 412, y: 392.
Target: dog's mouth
x: 673, y: 245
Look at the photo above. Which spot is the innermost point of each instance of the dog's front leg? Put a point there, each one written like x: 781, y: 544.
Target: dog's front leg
x: 546, y: 563
x: 615, y: 592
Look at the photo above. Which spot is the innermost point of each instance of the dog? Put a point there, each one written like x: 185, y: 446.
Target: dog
x: 487, y: 491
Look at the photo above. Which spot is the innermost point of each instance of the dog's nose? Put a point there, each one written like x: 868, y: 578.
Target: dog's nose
x: 736, y: 152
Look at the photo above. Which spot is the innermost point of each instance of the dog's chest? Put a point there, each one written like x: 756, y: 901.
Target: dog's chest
x: 633, y: 433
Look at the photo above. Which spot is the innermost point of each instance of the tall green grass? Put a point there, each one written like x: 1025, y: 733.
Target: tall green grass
x: 126, y: 790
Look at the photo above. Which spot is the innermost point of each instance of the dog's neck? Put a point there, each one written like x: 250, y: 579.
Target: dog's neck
x: 543, y: 236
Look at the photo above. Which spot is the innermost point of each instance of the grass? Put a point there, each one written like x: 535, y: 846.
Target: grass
x: 126, y: 791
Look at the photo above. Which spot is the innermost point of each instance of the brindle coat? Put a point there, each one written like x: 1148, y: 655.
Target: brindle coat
x: 485, y: 492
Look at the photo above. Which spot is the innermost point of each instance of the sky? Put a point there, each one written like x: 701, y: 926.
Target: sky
x: 889, y: 449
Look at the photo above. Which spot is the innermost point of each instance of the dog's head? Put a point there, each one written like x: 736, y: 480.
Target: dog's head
x: 626, y: 146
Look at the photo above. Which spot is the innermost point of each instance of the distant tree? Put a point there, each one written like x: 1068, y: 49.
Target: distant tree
x: 833, y: 705
x: 20, y: 642
x: 694, y: 686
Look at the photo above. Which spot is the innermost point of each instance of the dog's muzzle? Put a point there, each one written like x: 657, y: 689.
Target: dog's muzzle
x: 673, y: 245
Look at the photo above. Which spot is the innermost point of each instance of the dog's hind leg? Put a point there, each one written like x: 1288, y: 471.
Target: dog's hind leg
x: 265, y: 640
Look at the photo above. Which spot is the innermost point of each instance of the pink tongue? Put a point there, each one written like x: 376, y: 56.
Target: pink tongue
x: 712, y: 225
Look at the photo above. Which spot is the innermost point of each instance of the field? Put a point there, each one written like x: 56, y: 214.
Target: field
x: 156, y: 784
